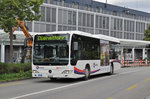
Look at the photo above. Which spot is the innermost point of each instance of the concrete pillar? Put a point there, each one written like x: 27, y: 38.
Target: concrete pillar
x: 109, y: 25
x: 2, y: 52
x: 123, y: 28
x: 122, y: 56
x: 77, y: 20
x: 143, y: 53
x: 57, y: 18
x: 20, y: 51
x: 94, y: 23
x: 133, y: 54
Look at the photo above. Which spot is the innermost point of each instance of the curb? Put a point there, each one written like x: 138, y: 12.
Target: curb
x: 1, y: 82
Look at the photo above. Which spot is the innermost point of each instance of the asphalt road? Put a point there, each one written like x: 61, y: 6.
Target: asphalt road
x: 127, y: 83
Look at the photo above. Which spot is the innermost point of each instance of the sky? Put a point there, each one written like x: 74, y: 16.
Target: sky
x: 142, y: 5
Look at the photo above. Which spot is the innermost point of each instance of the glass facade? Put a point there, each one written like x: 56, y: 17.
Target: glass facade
x: 62, y: 18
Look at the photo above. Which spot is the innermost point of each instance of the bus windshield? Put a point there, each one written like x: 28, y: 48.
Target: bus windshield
x: 51, y: 49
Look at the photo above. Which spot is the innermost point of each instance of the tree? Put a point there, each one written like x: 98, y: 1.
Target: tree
x: 24, y: 10
x: 147, y: 34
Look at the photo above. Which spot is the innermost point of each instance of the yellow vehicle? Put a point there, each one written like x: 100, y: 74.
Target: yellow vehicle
x: 28, y: 39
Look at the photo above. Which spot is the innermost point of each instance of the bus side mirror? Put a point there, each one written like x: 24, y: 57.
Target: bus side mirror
x: 75, y: 46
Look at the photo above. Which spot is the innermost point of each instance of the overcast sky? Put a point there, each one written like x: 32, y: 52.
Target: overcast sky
x: 142, y: 5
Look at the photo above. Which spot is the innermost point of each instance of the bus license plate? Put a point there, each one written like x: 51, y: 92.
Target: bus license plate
x: 39, y: 75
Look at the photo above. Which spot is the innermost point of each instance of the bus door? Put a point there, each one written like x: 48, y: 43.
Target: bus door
x: 104, y: 52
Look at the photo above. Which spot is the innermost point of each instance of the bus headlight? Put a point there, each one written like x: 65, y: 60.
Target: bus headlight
x: 67, y: 71
x: 35, y: 71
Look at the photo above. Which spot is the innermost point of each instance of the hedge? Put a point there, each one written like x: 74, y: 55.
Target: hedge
x: 14, y: 68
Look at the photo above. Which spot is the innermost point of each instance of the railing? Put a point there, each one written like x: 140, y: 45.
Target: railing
x: 135, y: 63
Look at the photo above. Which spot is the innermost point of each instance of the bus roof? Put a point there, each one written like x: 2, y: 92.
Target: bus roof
x: 123, y: 42
x: 98, y: 36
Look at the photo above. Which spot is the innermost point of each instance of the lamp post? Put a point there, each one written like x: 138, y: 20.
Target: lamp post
x: 106, y: 4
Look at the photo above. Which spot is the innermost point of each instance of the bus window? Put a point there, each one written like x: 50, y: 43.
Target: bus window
x: 86, y: 49
x: 114, y: 50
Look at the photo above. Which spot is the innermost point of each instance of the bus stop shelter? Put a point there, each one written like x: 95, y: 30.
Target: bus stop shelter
x: 134, y: 49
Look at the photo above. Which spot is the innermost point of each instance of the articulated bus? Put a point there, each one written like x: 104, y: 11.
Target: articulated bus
x: 74, y: 54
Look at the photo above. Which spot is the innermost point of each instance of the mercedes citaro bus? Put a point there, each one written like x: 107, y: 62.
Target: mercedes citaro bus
x: 74, y: 54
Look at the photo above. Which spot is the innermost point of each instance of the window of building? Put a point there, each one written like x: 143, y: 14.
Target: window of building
x: 69, y: 17
x: 84, y: 19
x: 65, y: 16
x: 88, y: 22
x: 80, y: 19
x: 96, y: 22
x: 53, y: 15
x: 48, y: 14
x: 60, y: 28
x: 43, y: 13
x: 74, y: 18
x: 36, y: 27
x: 42, y: 27
x: 53, y: 27
x: 100, y: 21
x: 29, y: 25
x: 48, y: 28
x: 60, y: 16
x: 92, y: 20
x: 45, y: 1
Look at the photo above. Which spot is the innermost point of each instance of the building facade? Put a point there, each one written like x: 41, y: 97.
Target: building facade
x: 92, y: 17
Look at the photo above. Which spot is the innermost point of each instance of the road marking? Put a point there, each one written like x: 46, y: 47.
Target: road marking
x: 110, y: 98
x: 132, y: 87
x: 10, y: 84
x: 146, y: 79
x: 48, y: 90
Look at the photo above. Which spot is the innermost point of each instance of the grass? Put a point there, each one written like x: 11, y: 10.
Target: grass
x: 15, y: 76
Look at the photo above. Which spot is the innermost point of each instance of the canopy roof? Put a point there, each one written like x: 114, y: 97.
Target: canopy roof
x: 133, y: 43
x: 123, y: 42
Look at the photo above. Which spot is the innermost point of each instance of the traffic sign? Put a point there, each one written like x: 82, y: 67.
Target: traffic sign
x: 4, y: 42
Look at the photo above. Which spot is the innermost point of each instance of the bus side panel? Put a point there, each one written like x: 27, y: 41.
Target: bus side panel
x: 81, y: 65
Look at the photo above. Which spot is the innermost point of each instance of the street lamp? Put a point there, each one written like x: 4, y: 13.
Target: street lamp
x: 106, y: 4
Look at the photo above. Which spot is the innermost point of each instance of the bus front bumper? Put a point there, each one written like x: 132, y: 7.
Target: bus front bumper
x: 57, y: 75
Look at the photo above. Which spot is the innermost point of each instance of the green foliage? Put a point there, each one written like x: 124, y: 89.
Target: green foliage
x: 9, y: 72
x: 3, y: 68
x: 14, y: 68
x: 25, y: 10
x: 15, y: 76
x: 147, y: 34
x: 148, y: 58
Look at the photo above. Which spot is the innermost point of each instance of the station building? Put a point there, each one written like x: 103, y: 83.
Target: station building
x: 92, y: 17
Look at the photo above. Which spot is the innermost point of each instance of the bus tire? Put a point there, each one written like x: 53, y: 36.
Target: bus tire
x: 53, y: 79
x: 87, y: 73
x: 111, y: 69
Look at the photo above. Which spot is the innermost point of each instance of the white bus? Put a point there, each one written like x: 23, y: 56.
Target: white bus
x: 73, y: 54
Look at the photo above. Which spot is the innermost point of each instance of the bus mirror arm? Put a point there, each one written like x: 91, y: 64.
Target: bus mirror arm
x: 26, y: 44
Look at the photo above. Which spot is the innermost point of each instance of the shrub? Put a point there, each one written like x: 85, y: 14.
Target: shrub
x: 148, y: 59
x: 14, y: 68
x: 3, y: 68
